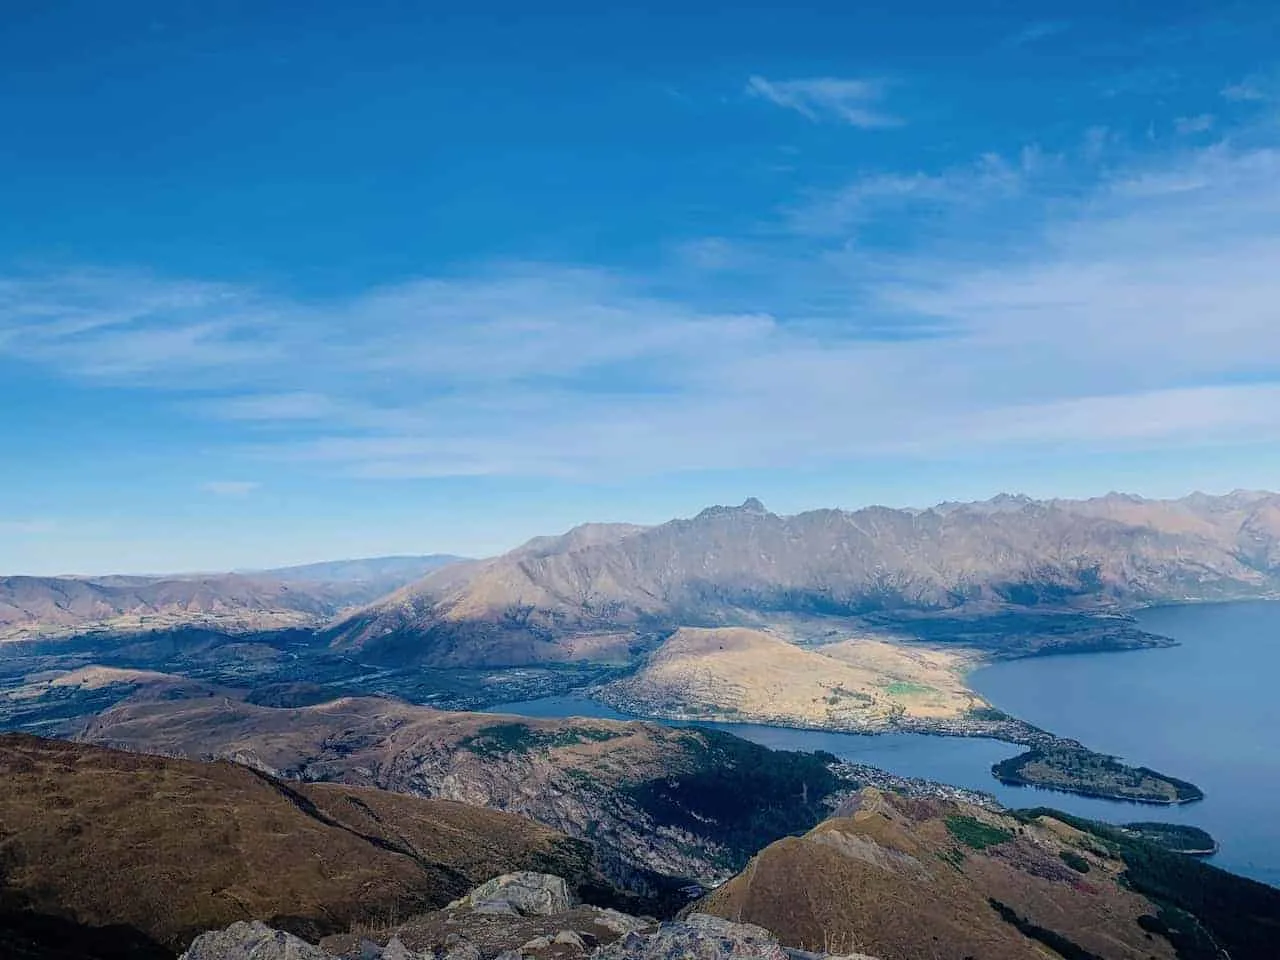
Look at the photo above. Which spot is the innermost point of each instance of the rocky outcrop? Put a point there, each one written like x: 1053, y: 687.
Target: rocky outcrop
x: 515, y: 917
x: 524, y: 893
x: 703, y: 937
x: 252, y: 940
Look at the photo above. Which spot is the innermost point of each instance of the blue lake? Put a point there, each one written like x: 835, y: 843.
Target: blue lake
x: 1205, y: 711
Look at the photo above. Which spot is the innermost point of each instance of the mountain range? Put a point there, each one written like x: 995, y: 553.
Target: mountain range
x: 591, y: 592
x: 604, y: 592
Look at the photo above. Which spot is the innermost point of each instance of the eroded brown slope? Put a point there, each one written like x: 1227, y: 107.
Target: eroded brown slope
x: 655, y: 800
x: 172, y: 847
x: 916, y: 880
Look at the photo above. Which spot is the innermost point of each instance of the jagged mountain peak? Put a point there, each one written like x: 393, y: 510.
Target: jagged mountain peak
x: 751, y: 507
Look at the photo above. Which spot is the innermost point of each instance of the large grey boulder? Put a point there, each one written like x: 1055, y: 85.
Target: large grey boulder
x: 526, y: 893
x: 252, y: 941
x: 698, y: 937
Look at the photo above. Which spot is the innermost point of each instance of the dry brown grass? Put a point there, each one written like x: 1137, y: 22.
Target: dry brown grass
x: 754, y: 674
x: 892, y: 880
x: 173, y: 847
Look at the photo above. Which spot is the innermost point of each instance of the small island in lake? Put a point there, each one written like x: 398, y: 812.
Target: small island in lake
x: 1077, y: 770
x: 1178, y: 837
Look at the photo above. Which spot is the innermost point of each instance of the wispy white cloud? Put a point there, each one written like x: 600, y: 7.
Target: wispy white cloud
x: 230, y: 488
x: 1201, y: 123
x: 852, y: 101
x: 1039, y: 30
x: 1219, y: 414
x: 1138, y: 311
x: 871, y: 197
x: 1244, y: 92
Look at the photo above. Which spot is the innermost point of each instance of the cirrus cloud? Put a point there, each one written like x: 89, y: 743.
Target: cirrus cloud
x: 1138, y: 312
x: 852, y: 101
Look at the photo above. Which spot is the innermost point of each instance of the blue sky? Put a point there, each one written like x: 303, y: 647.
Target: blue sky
x: 316, y: 281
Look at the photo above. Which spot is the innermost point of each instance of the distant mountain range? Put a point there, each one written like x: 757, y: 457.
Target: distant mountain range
x: 378, y: 571
x: 593, y: 589
x: 304, y: 596
x: 589, y: 593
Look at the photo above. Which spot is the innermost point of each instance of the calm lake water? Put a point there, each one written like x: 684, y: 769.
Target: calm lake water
x: 1206, y: 711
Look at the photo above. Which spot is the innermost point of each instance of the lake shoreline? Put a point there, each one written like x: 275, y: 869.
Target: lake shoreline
x: 1009, y: 730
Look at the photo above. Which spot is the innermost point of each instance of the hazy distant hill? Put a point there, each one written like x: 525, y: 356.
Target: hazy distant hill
x: 379, y: 570
x: 234, y: 602
x: 730, y: 564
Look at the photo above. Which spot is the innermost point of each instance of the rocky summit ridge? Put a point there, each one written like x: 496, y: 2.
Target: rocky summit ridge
x: 522, y: 916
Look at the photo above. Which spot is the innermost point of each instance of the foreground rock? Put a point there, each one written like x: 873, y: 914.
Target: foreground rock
x: 252, y: 941
x: 703, y: 937
x: 525, y: 893
x: 522, y: 916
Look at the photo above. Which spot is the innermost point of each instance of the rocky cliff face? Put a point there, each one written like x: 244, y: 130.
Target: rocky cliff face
x: 733, y: 565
